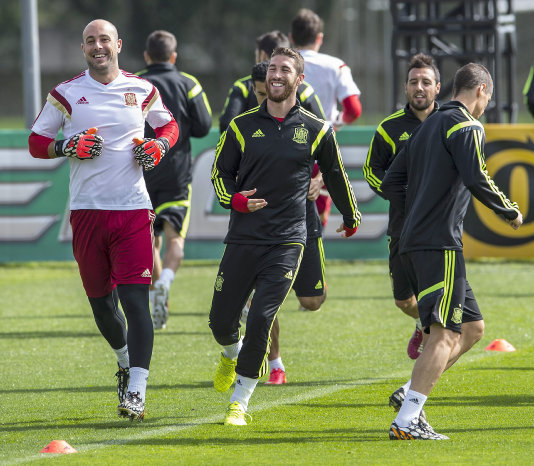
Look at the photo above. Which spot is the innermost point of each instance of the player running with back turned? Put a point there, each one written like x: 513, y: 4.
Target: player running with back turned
x: 433, y: 177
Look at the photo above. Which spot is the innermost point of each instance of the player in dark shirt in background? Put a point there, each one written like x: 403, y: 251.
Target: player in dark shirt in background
x: 421, y: 88
x: 169, y: 185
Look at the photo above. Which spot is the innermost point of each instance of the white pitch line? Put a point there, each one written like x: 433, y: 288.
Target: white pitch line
x: 160, y: 431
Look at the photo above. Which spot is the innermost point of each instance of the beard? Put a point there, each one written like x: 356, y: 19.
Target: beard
x: 288, y: 90
x: 421, y: 106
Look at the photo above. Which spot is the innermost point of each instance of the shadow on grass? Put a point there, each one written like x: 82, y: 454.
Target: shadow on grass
x: 320, y: 383
x: 107, y: 388
x: 359, y: 298
x: 184, y: 386
x: 258, y: 438
x: 490, y: 400
x: 71, y: 334
x: 501, y: 368
x: 27, y: 317
x: 507, y: 295
x: 48, y: 334
x: 82, y: 423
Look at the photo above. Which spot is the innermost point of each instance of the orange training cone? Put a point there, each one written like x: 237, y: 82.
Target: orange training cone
x: 500, y: 345
x: 58, y: 446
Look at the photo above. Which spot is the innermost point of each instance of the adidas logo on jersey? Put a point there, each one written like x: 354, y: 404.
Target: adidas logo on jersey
x: 258, y: 134
x: 404, y: 136
x: 146, y: 274
x: 319, y: 285
x: 289, y: 275
x: 83, y: 100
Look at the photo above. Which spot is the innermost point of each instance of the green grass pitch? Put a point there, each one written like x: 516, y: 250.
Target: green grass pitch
x: 57, y: 383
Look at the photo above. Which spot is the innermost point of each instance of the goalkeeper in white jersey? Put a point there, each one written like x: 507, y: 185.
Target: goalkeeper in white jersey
x: 102, y: 113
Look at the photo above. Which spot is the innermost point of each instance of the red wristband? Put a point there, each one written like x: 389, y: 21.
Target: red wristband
x: 349, y: 231
x: 239, y: 203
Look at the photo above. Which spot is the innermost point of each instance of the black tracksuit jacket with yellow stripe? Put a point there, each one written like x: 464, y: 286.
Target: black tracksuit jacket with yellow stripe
x: 390, y: 137
x: 242, y: 98
x: 257, y: 151
x: 183, y: 95
x: 434, y: 176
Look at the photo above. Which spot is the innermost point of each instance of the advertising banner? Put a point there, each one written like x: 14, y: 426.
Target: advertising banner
x: 509, y: 155
x: 34, y: 213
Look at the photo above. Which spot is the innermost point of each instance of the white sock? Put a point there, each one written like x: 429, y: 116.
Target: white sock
x: 418, y: 323
x: 231, y: 351
x: 138, y: 379
x: 166, y: 277
x: 411, y: 408
x: 276, y: 364
x: 406, y: 386
x: 244, y: 387
x: 122, y: 356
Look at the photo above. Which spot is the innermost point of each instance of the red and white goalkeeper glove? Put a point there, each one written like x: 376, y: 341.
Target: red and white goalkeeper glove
x: 82, y: 146
x: 149, y: 152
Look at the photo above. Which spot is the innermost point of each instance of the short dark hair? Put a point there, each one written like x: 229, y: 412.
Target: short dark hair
x: 423, y: 61
x: 259, y: 71
x: 271, y: 40
x: 471, y: 76
x: 293, y: 54
x: 305, y: 27
x: 160, y: 45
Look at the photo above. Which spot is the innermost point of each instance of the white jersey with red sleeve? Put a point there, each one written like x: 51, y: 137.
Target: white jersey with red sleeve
x: 114, y: 180
x: 331, y: 79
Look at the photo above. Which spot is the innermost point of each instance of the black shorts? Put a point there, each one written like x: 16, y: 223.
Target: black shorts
x: 171, y: 207
x: 403, y: 282
x: 271, y: 269
x: 445, y: 296
x: 310, y: 279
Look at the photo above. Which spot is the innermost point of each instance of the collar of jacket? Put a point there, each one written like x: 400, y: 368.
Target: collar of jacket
x: 454, y: 104
x: 161, y: 66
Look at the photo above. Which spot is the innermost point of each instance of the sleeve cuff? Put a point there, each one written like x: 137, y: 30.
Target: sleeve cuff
x: 239, y: 203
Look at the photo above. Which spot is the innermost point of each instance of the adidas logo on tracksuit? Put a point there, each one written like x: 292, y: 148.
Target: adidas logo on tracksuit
x: 404, y: 136
x: 258, y: 134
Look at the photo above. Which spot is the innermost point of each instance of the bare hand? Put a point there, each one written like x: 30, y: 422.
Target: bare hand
x: 516, y: 222
x: 315, y: 187
x: 253, y: 204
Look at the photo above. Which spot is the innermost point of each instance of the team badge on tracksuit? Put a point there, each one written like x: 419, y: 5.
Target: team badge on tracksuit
x: 301, y: 135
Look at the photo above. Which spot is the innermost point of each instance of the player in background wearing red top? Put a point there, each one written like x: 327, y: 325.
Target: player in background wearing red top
x: 330, y: 77
x: 102, y: 113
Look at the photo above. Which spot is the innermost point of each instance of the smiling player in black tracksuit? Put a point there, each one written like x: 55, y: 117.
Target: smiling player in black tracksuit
x: 262, y: 170
x: 422, y: 87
